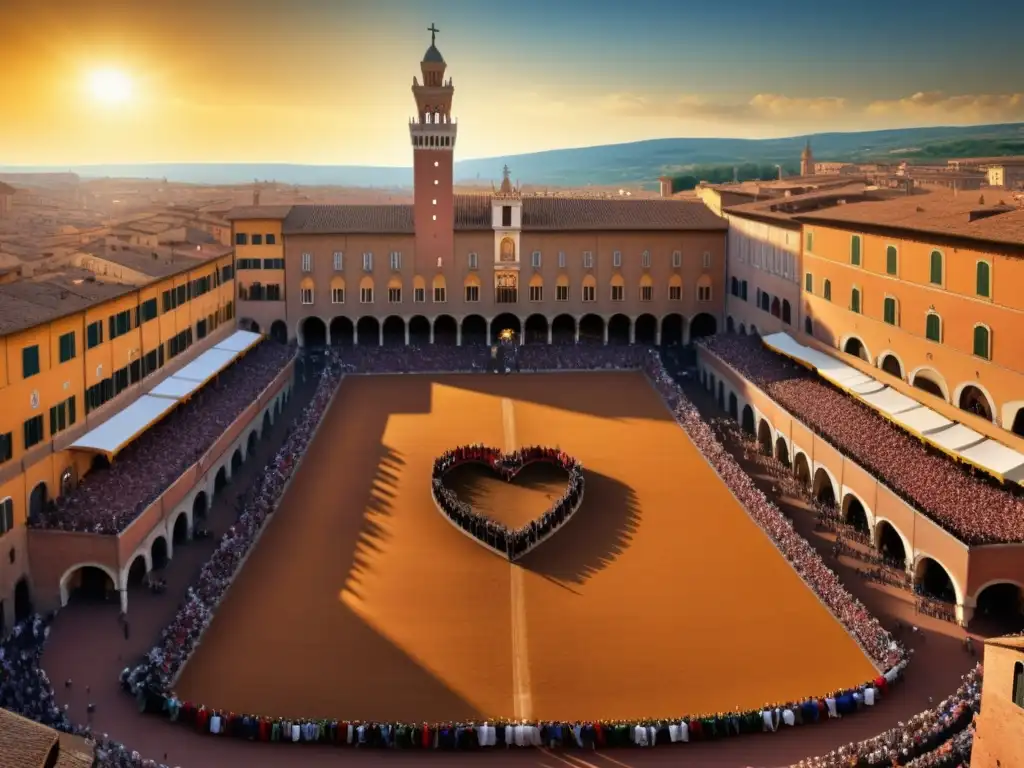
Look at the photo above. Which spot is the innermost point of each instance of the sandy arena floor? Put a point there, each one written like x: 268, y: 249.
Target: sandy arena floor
x: 660, y: 597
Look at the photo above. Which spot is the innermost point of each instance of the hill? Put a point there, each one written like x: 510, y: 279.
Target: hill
x: 641, y: 161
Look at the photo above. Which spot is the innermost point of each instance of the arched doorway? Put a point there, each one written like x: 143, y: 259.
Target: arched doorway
x: 419, y: 331
x: 711, y: 384
x: 343, y: 332
x: 672, y: 329
x: 250, y: 445
x: 89, y: 583
x: 199, y: 507
x: 394, y: 331
x: 854, y: 514
x: 446, y: 330
x: 236, y: 460
x: 703, y: 325
x: 782, y: 452
x: 933, y: 580
x: 754, y: 331
x: 563, y: 329
x: 37, y: 501
x: 535, y: 330
x: 823, y: 491
x: 1001, y: 604
x: 1018, y: 422
x: 220, y: 480
x: 179, y: 534
x: 645, y: 330
x: 279, y: 332
x: 747, y: 422
x: 266, y: 422
x: 254, y: 326
x: 592, y: 329
x: 855, y: 347
x: 368, y: 332
x: 891, y: 365
x: 733, y: 406
x: 741, y: 329
x: 313, y: 333
x: 721, y: 396
x: 67, y: 481
x: 158, y: 554
x: 890, y: 545
x: 137, y: 571
x: 776, y: 310
x: 787, y: 312
x: 618, y: 329
x: 505, y: 322
x: 802, y: 470
x: 474, y: 330
x: 764, y: 438
x: 926, y: 383
x: 730, y: 325
x: 22, y: 600
x: 973, y: 400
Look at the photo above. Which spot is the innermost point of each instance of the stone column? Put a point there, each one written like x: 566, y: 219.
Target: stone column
x: 550, y: 337
x: 432, y: 333
x: 355, y: 335
x: 407, y: 334
x: 606, y: 332
x: 458, y: 334
x: 380, y: 334
x: 632, y: 332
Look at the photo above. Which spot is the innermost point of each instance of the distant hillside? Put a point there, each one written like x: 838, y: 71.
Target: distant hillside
x: 638, y: 162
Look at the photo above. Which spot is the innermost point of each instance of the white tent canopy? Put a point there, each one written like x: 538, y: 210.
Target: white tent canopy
x: 890, y: 402
x: 997, y: 459
x: 239, y: 341
x: 123, y: 427
x: 922, y: 420
x: 175, y: 388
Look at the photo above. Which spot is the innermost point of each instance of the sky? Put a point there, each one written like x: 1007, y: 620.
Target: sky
x: 328, y: 81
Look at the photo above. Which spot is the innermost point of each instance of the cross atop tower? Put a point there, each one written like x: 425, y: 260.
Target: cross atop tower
x: 433, y: 30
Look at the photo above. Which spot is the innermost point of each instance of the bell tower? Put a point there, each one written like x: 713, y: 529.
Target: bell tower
x: 433, y: 132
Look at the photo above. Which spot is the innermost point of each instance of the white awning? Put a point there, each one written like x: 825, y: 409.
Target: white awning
x: 239, y: 341
x: 864, y: 385
x: 207, y: 365
x: 785, y: 344
x: 123, y: 427
x: 922, y: 420
x: 890, y: 402
x: 175, y: 388
x: 956, y: 437
x: 996, y: 458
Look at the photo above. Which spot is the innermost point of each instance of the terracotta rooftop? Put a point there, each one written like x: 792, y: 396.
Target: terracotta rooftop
x: 786, y: 208
x: 1007, y: 641
x: 6, y: 189
x: 1006, y: 160
x: 939, y: 213
x: 168, y: 261
x: 250, y: 212
x: 473, y: 212
x: 24, y: 743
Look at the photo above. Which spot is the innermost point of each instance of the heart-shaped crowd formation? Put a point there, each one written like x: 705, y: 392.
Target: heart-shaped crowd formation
x: 512, y: 543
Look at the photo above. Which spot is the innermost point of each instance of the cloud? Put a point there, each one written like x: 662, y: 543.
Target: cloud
x: 963, y: 108
x: 764, y: 107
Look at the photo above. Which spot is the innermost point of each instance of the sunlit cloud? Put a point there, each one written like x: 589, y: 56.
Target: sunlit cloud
x: 967, y: 109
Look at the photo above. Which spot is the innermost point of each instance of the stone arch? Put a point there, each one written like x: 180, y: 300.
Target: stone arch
x: 474, y: 330
x: 439, y: 289
x: 754, y: 331
x: 252, y: 325
x: 180, y: 529
x: 787, y: 312
x: 279, y: 331
x: 974, y: 398
x: 1000, y: 599
x: 591, y: 328
x: 393, y: 331
x: 825, y: 489
x: 535, y: 329
x: 747, y: 420
x: 619, y: 327
x: 929, y: 380
x: 890, y: 542
x: 782, y: 451
x: 367, y: 290
x: 776, y: 307
x: 675, y: 288
x: 617, y: 281
x: 589, y: 286
x: 891, y: 363
x: 419, y: 286
x: 855, y: 513
x: 419, y: 331
x: 645, y: 329
x: 37, y: 500
x: 507, y: 249
x: 934, y: 577
x: 220, y: 480
x: 711, y: 383
x: 720, y: 399
x: 250, y: 443
x: 802, y: 468
x: 562, y: 283
x: 343, y: 332
x: 159, y: 553
x: 136, y: 572
x: 200, y: 506
x: 741, y: 329
x: 730, y: 325
x: 673, y: 329
x: 703, y: 324
x: 368, y: 331
x: 337, y: 286
x: 1017, y: 423
x: 563, y: 329
x: 854, y: 345
x: 312, y: 332
x: 93, y: 587
x: 22, y: 601
x: 505, y: 321
x: 236, y: 460
x: 734, y: 409
x: 764, y: 437
x: 446, y: 330
x: 536, y: 288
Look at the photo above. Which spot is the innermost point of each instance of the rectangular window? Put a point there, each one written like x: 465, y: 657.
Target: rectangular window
x: 703, y: 293
x: 366, y: 295
x: 535, y: 259
x: 809, y: 283
x: 618, y: 293
x: 148, y: 310
x: 62, y: 416
x: 33, y: 431
x: 306, y: 295
x: 933, y: 327
x: 135, y: 372
x: 645, y: 259
x: 889, y: 310
x: 241, y: 238
x: 1018, y: 684
x: 419, y: 295
x: 337, y: 295
x: 182, y: 297
x: 855, y: 250
x: 646, y: 293
x: 588, y: 260
x: 506, y: 215
x: 94, y: 334
x: 149, y: 363
x: 307, y: 262
x: 473, y: 261
x: 30, y: 361
x: 270, y: 293
x: 855, y: 300
x: 982, y: 341
x: 616, y: 258
x: 809, y: 238
x: 394, y: 295
x: 120, y: 323
x: 677, y: 259
x: 6, y: 515
x: 472, y: 293
x: 440, y: 294
x: 367, y: 262
x: 706, y: 263
x: 227, y: 272
x: 273, y: 263
x: 589, y: 293
x: 561, y: 259
x: 121, y: 376
x: 891, y: 260
x: 743, y: 290
x: 675, y: 293
x: 6, y: 447
x: 561, y: 293
x: 983, y: 279
x: 67, y: 347
x: 396, y: 261
x: 935, y: 272
x: 270, y: 239
x: 536, y: 293
x: 257, y: 239
x: 339, y: 261
x: 827, y: 293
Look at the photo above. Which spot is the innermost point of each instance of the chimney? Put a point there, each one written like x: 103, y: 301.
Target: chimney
x: 256, y: 196
x: 665, y: 186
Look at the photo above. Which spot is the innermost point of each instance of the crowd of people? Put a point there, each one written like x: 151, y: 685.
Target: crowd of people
x: 108, y: 499
x: 511, y: 542
x: 940, y: 737
x: 973, y: 508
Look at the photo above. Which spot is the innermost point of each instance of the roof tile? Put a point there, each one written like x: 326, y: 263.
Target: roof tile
x: 24, y: 743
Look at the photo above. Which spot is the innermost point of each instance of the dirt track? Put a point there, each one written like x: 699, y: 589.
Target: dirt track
x: 361, y: 601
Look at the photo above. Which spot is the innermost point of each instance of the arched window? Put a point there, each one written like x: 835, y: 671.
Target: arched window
x: 935, y: 272
x: 827, y: 291
x: 984, y: 277
x: 933, y: 327
x: 982, y: 342
x: 891, y: 260
x: 855, y: 300
x: 787, y: 312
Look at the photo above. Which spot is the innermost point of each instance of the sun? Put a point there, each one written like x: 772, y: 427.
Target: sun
x: 110, y: 86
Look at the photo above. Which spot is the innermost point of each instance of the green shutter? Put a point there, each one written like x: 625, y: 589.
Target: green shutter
x: 936, y: 268
x: 828, y: 290
x: 983, y: 287
x: 809, y: 282
x: 810, y: 241
x: 855, y: 250
x: 890, y: 311
x: 981, y: 341
x: 890, y: 260
x: 855, y: 300
x: 933, y: 327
